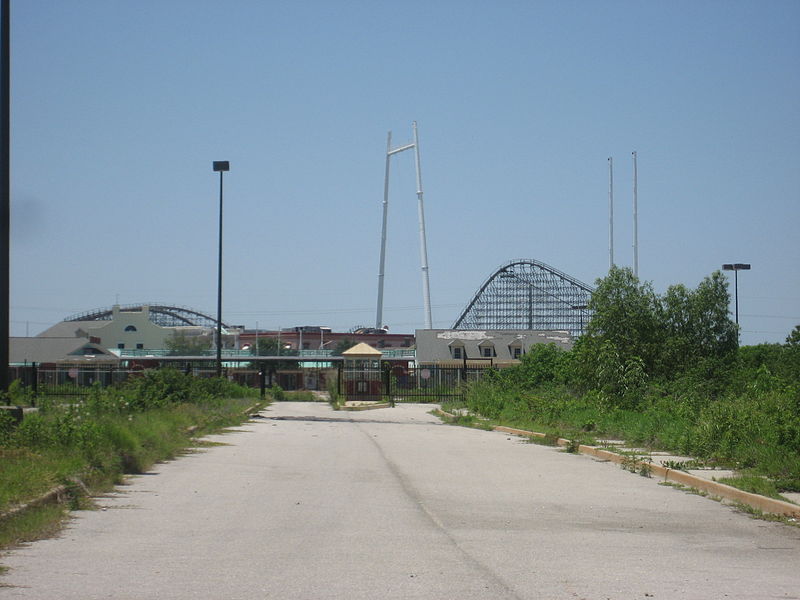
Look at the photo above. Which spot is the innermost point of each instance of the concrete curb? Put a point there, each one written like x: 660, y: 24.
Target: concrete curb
x: 762, y: 503
x: 56, y: 496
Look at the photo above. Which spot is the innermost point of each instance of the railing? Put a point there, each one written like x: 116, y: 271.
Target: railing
x: 388, y: 353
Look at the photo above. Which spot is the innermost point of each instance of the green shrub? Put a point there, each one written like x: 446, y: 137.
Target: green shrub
x: 277, y: 393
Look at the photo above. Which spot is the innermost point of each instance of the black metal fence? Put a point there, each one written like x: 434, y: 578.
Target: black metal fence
x: 430, y: 383
x: 68, y: 380
x: 398, y: 383
x: 78, y: 380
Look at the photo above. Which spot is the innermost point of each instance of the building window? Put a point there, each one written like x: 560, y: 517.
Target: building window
x: 121, y: 346
x: 516, y: 351
x: 488, y: 351
x: 457, y: 352
x: 140, y: 346
x: 130, y: 328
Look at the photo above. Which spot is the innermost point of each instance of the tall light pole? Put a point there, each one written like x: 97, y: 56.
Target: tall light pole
x: 220, y: 166
x: 5, y: 190
x: 610, y: 212
x: 736, y: 267
x: 635, y: 216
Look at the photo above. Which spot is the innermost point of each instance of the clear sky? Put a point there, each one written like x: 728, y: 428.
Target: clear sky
x: 120, y: 107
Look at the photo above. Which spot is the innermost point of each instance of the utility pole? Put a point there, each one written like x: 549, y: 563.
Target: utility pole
x: 610, y: 212
x: 635, y: 218
x: 5, y: 193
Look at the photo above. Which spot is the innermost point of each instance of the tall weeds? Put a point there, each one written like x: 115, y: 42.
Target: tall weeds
x: 747, y: 417
x: 111, y: 431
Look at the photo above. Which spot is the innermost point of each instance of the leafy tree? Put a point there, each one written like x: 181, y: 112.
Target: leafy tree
x: 270, y: 346
x: 180, y: 344
x: 792, y: 355
x: 343, y: 345
x: 793, y: 339
x: 696, y: 326
x: 542, y: 363
x: 625, y: 325
x: 636, y: 335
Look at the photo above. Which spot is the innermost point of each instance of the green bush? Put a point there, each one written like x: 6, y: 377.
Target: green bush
x: 277, y: 393
x: 112, y: 431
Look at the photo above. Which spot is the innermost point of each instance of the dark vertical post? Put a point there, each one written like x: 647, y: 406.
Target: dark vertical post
x: 219, y: 286
x: 736, y: 267
x: 220, y: 166
x: 5, y: 184
x: 262, y: 380
x: 339, y: 377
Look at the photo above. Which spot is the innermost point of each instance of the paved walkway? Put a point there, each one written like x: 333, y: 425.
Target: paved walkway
x: 308, y: 503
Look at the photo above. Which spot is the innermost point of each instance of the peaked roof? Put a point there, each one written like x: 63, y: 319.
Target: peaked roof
x: 50, y: 350
x: 73, y: 329
x: 362, y: 349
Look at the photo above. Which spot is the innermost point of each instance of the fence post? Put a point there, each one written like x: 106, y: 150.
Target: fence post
x: 262, y: 380
x: 34, y: 383
x: 387, y: 383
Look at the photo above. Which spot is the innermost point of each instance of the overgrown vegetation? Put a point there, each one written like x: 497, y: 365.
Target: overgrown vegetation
x: 94, y: 441
x: 181, y: 344
x: 663, y: 372
x: 334, y: 398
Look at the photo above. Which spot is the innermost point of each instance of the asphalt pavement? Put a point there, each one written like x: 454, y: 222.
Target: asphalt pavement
x: 306, y: 502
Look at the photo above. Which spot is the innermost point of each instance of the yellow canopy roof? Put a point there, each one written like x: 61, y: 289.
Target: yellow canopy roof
x: 362, y: 349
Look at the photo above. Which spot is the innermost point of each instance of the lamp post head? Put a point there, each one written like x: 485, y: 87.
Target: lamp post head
x: 736, y: 267
x: 222, y: 165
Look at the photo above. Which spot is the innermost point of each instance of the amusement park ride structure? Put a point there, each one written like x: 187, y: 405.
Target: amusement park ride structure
x: 423, y: 249
x: 160, y: 314
x: 530, y: 295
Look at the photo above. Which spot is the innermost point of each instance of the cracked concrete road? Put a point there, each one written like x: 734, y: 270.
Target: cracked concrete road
x: 304, y: 502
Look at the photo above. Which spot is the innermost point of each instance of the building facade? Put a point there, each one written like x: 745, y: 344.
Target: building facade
x: 495, y: 347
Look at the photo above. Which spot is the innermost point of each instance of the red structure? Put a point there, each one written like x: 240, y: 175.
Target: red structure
x: 322, y: 338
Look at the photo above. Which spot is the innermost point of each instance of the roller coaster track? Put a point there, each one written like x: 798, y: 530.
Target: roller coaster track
x: 528, y: 294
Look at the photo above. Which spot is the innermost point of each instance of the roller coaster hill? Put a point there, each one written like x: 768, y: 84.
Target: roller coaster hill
x: 527, y: 294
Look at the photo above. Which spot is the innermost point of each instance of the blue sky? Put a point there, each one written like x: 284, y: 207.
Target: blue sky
x: 119, y: 109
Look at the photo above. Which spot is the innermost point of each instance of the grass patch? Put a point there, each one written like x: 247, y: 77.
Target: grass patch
x: 547, y: 439
x: 88, y: 445
x: 755, y: 484
x: 464, y: 420
x: 300, y: 396
x: 25, y: 474
x: 754, y: 431
x: 35, y: 524
x: 762, y: 516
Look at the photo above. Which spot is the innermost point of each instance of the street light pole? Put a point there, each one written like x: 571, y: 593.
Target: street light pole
x: 5, y: 191
x: 220, y: 166
x: 736, y: 267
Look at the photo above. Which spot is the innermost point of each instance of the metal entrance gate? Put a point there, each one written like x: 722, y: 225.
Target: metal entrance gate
x: 429, y: 383
x: 400, y: 383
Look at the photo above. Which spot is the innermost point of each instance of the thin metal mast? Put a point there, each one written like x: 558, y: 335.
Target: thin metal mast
x: 379, y: 315
x: 5, y: 190
x: 635, y: 218
x: 423, y: 248
x: 381, y: 268
x: 610, y: 212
